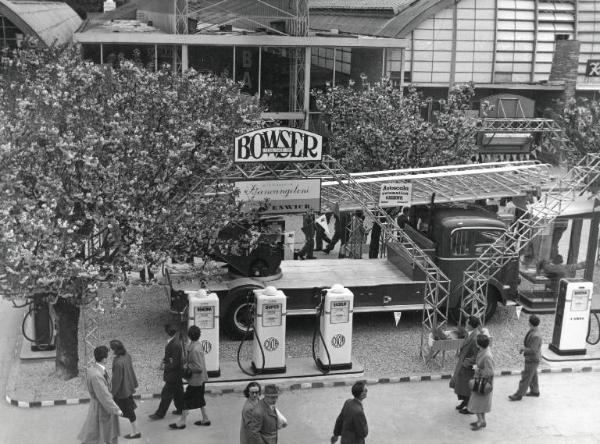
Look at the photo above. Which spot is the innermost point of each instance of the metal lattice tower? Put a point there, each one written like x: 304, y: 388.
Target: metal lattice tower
x: 508, y: 246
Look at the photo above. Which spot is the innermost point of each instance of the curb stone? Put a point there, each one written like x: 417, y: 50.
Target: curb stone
x: 305, y: 385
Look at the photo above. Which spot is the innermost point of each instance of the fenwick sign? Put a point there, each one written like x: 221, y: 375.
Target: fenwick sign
x: 278, y: 144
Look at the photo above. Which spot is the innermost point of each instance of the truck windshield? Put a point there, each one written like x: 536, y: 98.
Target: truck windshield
x: 472, y: 241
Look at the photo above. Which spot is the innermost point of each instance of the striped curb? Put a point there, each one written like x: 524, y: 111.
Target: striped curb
x: 306, y: 385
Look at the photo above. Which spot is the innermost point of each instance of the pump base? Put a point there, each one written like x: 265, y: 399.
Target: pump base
x: 346, y: 366
x: 214, y: 373
x: 41, y: 348
x: 268, y: 371
x: 558, y: 351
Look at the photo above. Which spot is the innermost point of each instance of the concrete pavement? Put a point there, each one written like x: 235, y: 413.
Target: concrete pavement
x: 415, y: 412
x: 403, y: 412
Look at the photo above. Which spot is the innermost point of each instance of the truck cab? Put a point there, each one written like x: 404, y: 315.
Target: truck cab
x: 455, y: 237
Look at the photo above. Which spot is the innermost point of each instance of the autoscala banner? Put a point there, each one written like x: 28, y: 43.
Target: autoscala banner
x: 278, y: 144
x: 283, y: 196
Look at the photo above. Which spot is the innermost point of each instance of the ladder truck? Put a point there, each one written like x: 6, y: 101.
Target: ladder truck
x: 416, y: 270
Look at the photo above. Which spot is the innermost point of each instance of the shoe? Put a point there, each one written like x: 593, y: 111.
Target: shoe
x: 174, y: 426
x: 136, y: 436
x: 473, y: 424
x: 155, y: 417
x: 460, y: 406
x: 478, y: 426
x: 465, y: 411
x: 176, y: 412
x: 534, y: 394
x: 515, y: 397
x: 310, y: 257
x: 202, y: 423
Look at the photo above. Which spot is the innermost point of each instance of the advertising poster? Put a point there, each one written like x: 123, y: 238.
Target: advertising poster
x: 284, y: 196
x: 395, y: 194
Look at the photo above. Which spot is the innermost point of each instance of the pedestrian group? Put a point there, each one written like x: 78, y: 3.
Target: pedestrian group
x: 261, y: 420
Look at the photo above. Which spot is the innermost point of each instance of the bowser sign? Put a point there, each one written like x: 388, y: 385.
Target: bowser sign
x: 278, y: 144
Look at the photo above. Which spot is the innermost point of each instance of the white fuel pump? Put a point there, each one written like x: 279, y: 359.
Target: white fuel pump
x: 204, y: 312
x: 269, y: 331
x: 572, y: 317
x: 335, y: 348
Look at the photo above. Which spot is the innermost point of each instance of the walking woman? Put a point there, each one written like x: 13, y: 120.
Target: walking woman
x: 123, y: 386
x: 252, y: 392
x: 480, y: 403
x: 194, y: 370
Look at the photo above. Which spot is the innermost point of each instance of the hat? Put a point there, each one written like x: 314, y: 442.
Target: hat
x: 271, y: 389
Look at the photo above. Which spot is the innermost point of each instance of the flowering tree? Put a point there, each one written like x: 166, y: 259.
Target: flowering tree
x: 124, y: 155
x: 376, y: 127
x: 580, y: 119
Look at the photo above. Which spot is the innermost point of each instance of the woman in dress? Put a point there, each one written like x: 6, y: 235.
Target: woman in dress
x: 123, y: 385
x: 193, y: 397
x: 479, y: 403
x: 252, y: 392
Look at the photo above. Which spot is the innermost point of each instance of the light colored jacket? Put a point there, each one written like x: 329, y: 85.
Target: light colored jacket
x: 196, y: 363
x: 101, y: 425
x: 246, y: 417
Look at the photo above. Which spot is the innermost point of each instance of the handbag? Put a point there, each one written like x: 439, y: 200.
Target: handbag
x: 483, y: 386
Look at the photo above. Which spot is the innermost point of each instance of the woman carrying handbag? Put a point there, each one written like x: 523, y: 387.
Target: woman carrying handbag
x: 481, y: 403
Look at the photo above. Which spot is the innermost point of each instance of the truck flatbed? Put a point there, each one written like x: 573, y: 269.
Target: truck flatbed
x: 305, y: 274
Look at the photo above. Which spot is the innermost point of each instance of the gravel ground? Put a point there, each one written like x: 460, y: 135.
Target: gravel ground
x: 382, y: 348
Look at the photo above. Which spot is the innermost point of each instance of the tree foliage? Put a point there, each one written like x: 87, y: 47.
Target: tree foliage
x: 580, y: 120
x: 377, y: 127
x: 86, y: 147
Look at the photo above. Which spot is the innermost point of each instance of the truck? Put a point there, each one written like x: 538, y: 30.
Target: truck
x: 456, y: 235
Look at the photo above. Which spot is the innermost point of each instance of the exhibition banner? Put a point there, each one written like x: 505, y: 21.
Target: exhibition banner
x: 395, y: 194
x: 283, y: 196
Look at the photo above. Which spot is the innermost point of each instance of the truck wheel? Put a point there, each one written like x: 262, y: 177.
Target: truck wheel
x: 239, y: 317
x: 490, y: 309
x: 259, y: 268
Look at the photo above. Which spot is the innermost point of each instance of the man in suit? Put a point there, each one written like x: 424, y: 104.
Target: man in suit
x: 463, y: 371
x: 351, y: 423
x: 102, y: 422
x: 264, y: 422
x: 308, y: 228
x: 172, y: 373
x: 531, y: 350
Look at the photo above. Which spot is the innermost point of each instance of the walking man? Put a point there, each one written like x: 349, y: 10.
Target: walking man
x: 351, y: 423
x: 172, y: 373
x: 264, y: 419
x: 102, y: 422
x: 531, y: 350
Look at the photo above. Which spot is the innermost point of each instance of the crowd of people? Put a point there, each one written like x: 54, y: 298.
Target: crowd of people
x: 473, y: 377
x: 261, y: 420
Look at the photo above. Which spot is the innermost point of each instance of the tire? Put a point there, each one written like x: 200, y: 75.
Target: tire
x: 258, y: 268
x: 238, y: 322
x: 492, y: 304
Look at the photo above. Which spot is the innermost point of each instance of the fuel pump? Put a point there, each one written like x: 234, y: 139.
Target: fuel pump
x: 572, y: 317
x: 38, y: 323
x: 269, y: 331
x: 335, y: 329
x: 203, y: 312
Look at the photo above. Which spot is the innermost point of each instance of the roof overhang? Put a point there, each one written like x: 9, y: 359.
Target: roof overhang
x: 237, y: 40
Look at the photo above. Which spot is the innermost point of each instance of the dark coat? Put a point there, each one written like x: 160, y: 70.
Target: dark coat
x: 464, y: 371
x: 351, y: 423
x: 308, y: 224
x: 173, y: 361
x: 124, y: 381
x: 262, y: 428
x: 246, y: 418
x: 102, y: 423
x: 532, y: 345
